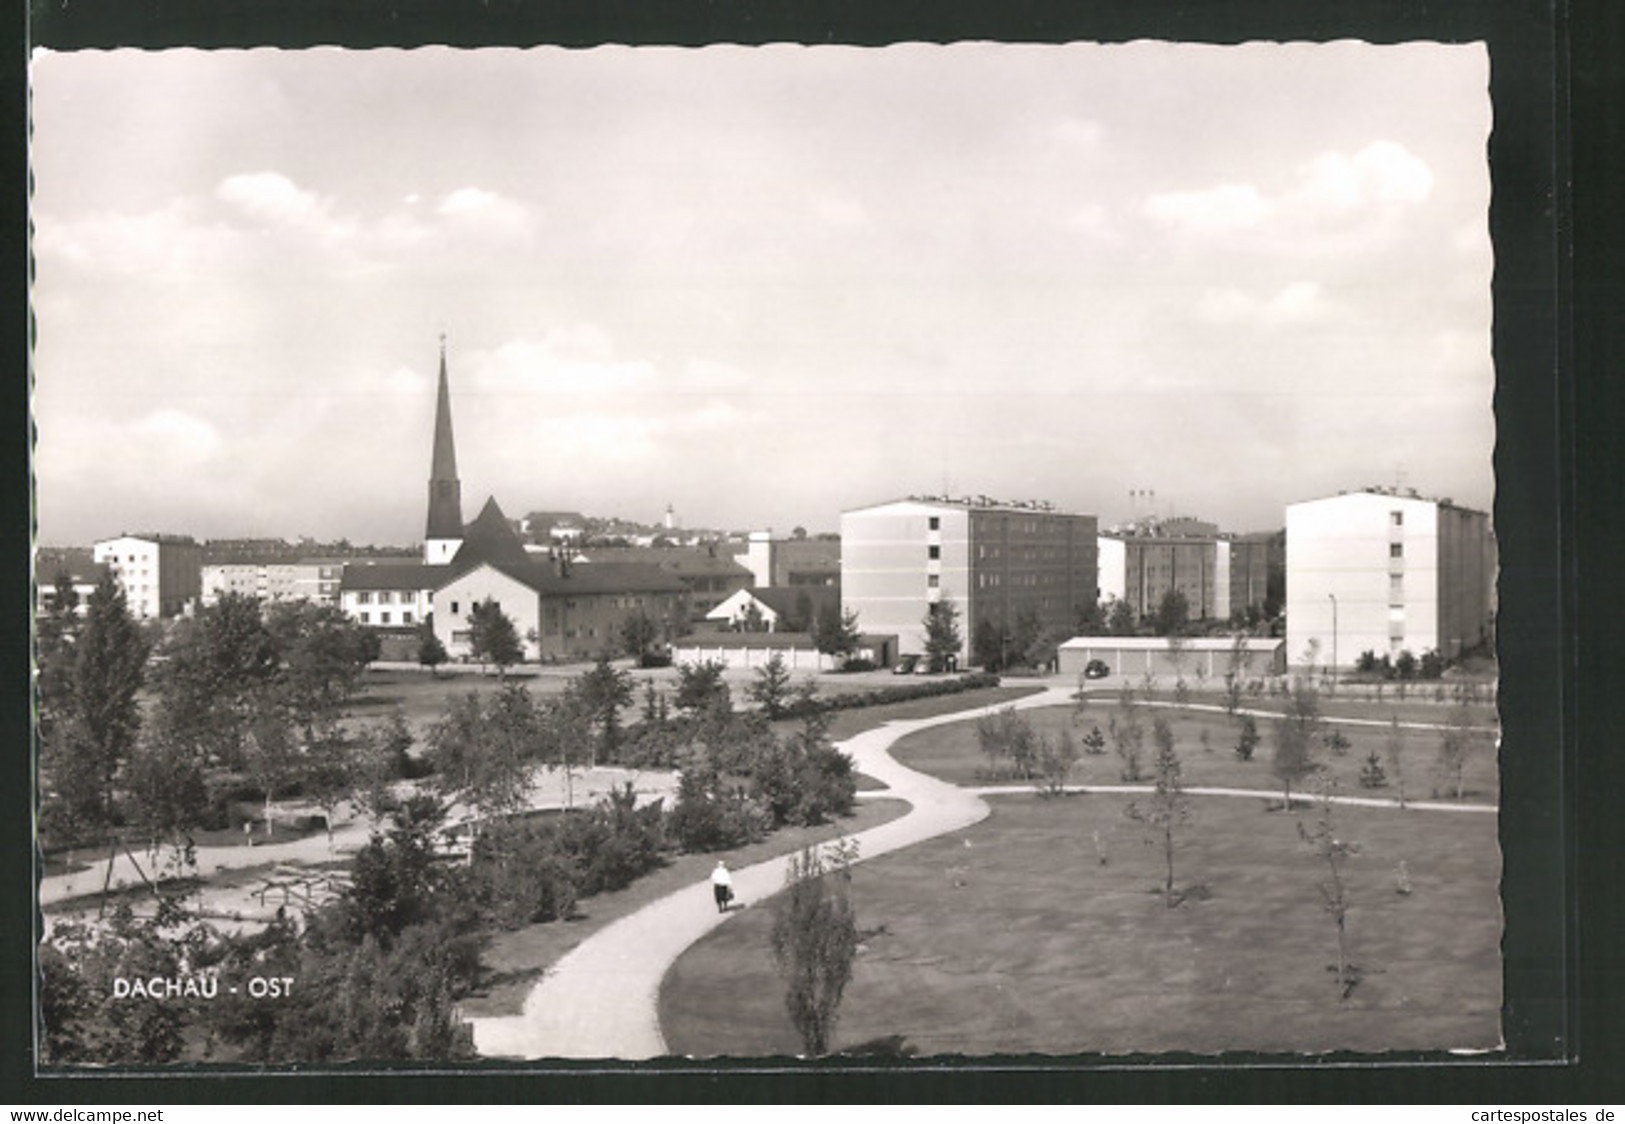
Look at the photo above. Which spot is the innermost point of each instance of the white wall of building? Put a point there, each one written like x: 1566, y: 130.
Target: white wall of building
x: 888, y: 576
x: 387, y: 608
x: 438, y: 552
x: 134, y: 563
x: 1219, y: 609
x: 1376, y: 557
x: 758, y: 558
x: 454, y: 602
x: 1113, y: 582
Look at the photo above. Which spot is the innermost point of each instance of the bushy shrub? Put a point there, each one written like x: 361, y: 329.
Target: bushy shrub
x: 711, y: 815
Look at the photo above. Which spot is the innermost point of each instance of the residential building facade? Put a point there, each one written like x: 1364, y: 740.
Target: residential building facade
x: 1386, y: 571
x: 995, y: 561
x: 162, y: 575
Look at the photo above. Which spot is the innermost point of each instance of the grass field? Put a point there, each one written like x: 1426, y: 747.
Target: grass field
x: 954, y: 754
x: 1011, y: 937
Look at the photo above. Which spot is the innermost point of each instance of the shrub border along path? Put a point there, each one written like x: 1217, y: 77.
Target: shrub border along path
x: 601, y: 1001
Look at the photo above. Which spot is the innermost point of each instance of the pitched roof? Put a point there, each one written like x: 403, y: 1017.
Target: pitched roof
x: 782, y: 599
x: 583, y: 580
x: 678, y: 560
x: 489, y: 538
x: 393, y: 575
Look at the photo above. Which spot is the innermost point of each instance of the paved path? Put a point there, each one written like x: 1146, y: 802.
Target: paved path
x: 602, y: 999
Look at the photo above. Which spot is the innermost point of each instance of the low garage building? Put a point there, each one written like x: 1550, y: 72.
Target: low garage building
x: 1212, y: 657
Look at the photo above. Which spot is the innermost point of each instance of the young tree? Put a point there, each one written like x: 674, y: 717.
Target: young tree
x: 1025, y: 636
x: 218, y: 670
x: 835, y: 633
x: 482, y: 750
x: 492, y: 638
x: 942, y: 639
x: 640, y: 634
x: 431, y: 652
x: 1247, y: 740
x: 1394, y: 750
x: 1295, y: 734
x: 321, y: 657
x: 771, y: 687
x: 1234, y: 674
x: 990, y: 645
x: 109, y: 668
x: 815, y: 939
x: 700, y: 687
x: 1120, y: 619
x: 1334, y: 852
x: 603, y: 692
x: 1056, y: 757
x: 1456, y: 746
x: 332, y: 768
x: 1128, y: 735
x: 55, y: 631
x: 1173, y: 614
x: 1168, y: 807
x: 271, y: 756
x: 166, y: 791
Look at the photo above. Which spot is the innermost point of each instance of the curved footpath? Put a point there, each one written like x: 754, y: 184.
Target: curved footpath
x: 602, y: 999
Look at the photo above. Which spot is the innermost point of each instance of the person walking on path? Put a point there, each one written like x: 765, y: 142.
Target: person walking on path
x: 722, y: 886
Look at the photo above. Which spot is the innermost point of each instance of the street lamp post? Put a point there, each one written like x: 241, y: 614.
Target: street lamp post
x: 1333, y: 596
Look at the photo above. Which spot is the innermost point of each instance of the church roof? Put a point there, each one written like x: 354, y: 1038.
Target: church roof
x: 445, y: 505
x: 547, y: 579
x: 490, y: 538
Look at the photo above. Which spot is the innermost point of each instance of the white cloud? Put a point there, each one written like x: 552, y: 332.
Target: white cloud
x: 1380, y: 173
x: 579, y: 359
x: 176, y: 437
x: 272, y: 198
x: 476, y: 208
x: 1217, y: 210
x: 1297, y: 303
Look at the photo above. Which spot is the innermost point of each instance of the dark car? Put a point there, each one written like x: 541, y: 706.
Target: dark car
x: 1096, y: 669
x: 905, y: 665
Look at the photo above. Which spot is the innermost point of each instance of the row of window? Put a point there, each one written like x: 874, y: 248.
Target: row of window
x: 385, y: 617
x: 386, y: 597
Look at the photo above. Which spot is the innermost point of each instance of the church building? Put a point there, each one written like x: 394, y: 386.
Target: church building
x: 560, y: 611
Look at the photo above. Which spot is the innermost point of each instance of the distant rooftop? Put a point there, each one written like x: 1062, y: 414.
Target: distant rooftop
x: 1397, y: 493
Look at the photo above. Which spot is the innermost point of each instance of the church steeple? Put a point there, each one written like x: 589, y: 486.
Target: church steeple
x: 443, y: 532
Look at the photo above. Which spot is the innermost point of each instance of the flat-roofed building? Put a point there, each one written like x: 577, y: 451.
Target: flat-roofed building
x: 996, y: 561
x: 1387, y: 572
x: 162, y: 575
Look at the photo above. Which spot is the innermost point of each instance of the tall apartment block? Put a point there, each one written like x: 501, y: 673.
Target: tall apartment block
x: 994, y: 560
x: 1387, y: 571
x: 161, y: 574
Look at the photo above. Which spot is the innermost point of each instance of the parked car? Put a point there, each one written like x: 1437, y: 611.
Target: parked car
x: 926, y: 666
x: 1096, y: 669
x: 905, y: 665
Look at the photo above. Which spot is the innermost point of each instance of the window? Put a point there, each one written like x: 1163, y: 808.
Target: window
x: 454, y: 607
x: 933, y: 581
x: 1396, y: 550
x: 933, y: 552
x: 365, y: 618
x: 1396, y: 518
x: 383, y: 618
x: 936, y: 523
x: 365, y: 597
x: 406, y: 617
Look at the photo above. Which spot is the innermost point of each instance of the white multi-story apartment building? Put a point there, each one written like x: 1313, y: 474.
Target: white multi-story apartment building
x: 161, y: 574
x: 1386, y: 572
x: 995, y: 561
x: 275, y: 580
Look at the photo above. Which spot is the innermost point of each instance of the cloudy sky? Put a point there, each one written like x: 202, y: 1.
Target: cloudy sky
x: 760, y: 284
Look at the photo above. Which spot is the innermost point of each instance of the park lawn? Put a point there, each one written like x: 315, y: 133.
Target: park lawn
x: 953, y: 753
x: 514, y: 960
x: 1010, y: 937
